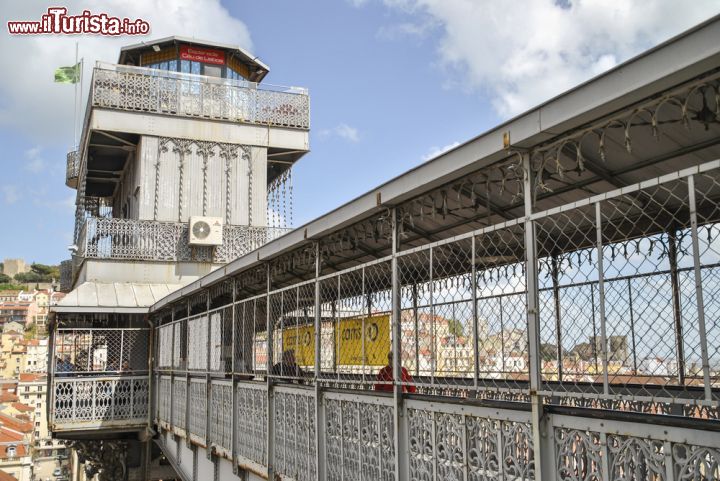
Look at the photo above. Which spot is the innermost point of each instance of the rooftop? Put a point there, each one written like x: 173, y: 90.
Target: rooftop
x: 114, y: 297
x: 259, y: 70
x: 31, y: 377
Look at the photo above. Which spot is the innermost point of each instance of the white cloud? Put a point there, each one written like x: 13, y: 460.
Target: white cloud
x: 435, y: 150
x: 342, y: 130
x: 29, y: 99
x: 10, y: 194
x: 525, y: 52
x: 34, y: 163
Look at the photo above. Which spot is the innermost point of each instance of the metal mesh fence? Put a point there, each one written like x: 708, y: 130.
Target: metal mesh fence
x: 108, y: 351
x: 627, y: 289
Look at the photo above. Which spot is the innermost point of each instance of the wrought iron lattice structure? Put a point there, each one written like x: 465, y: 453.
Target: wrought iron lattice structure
x: 99, y: 402
x: 133, y: 239
x: 545, y: 310
x: 517, y: 320
x: 100, y: 378
x: 172, y: 93
x: 607, y: 274
x: 72, y: 168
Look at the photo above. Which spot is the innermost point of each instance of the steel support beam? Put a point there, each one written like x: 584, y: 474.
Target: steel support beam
x: 699, y: 288
x: 543, y: 465
x: 401, y: 473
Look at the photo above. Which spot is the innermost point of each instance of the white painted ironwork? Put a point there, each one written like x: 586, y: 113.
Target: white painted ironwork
x: 173, y: 93
x: 252, y: 422
x: 359, y: 437
x: 72, y: 168
x: 178, y: 402
x: 294, y: 433
x: 114, y: 238
x: 220, y: 414
x: 198, y: 408
x: 355, y: 434
x: 97, y: 401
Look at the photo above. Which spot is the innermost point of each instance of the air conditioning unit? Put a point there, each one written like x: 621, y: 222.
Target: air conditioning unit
x: 205, y: 231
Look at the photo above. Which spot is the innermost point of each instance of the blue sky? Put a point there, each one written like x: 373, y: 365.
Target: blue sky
x: 392, y: 83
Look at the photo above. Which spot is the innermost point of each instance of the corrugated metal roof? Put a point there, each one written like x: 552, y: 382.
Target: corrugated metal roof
x: 114, y: 297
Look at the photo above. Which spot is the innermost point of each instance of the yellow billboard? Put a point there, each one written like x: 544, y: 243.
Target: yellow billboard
x: 349, y: 336
x: 302, y: 341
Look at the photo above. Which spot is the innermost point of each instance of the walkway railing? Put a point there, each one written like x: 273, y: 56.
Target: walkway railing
x: 111, y: 238
x: 99, y: 379
x: 578, y: 342
x: 99, y: 402
x: 442, y: 440
x: 172, y: 93
x: 626, y: 292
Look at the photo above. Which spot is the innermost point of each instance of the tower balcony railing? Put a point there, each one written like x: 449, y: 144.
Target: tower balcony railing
x: 132, y: 239
x: 99, y: 379
x: 72, y: 169
x: 173, y: 93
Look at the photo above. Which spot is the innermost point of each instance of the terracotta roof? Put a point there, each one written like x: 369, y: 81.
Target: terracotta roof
x: 32, y: 342
x: 6, y: 476
x: 8, y: 397
x: 15, y: 424
x: 23, y: 407
x: 8, y: 436
x: 20, y: 449
x: 30, y: 377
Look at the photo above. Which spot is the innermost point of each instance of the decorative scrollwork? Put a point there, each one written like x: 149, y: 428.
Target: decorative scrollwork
x: 696, y: 463
x: 578, y: 455
x: 127, y: 88
x: 114, y: 238
x: 294, y: 435
x: 635, y: 459
x: 252, y: 422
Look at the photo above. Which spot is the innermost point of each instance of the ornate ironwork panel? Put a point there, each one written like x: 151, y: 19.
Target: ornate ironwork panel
x: 165, y: 393
x: 221, y: 414
x: 295, y: 434
x: 359, y: 439
x: 133, y: 239
x: 72, y: 169
x: 99, y: 400
x: 252, y: 422
x: 579, y: 455
x: 446, y: 445
x: 178, y: 402
x: 695, y: 463
x: 198, y: 407
x: 155, y: 91
x: 636, y: 459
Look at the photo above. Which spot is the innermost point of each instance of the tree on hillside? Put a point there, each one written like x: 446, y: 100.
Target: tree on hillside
x: 5, y: 279
x: 39, y: 273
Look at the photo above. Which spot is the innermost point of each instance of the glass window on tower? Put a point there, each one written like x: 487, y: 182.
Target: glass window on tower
x: 212, y: 71
x: 188, y: 66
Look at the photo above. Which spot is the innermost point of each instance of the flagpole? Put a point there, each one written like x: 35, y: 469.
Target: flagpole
x: 80, y: 104
x: 75, y: 122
